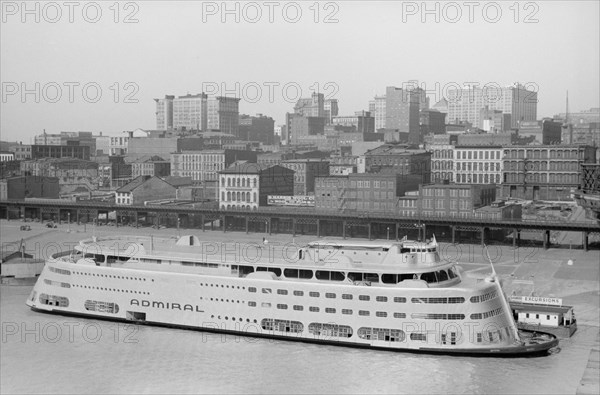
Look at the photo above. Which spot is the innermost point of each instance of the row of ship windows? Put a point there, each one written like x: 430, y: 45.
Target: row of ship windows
x: 367, y: 333
x: 383, y: 314
x: 111, y: 276
x: 222, y: 286
x: 330, y: 275
x: 367, y: 298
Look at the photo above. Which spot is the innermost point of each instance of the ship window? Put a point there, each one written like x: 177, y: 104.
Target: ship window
x: 243, y: 270
x: 54, y: 300
x: 399, y: 315
x: 363, y: 312
x: 270, y: 324
x: 452, y: 272
x: 265, y: 304
x: 347, y: 311
x: 313, y: 309
x: 103, y: 307
x: 290, y: 273
x: 329, y: 275
x: 329, y: 310
x: 548, y: 317
x: 364, y: 297
x: 252, y: 304
x: 372, y: 277
x: 250, y: 289
x: 282, y: 292
x: 282, y: 306
x: 381, y: 314
x: 266, y: 290
x: 389, y: 278
x: 406, y: 276
x: 275, y: 270
x: 314, y: 294
x: 381, y: 299
x: 442, y: 275
x: 399, y: 299
x: 384, y: 334
x: 303, y: 273
x: 429, y: 277
x: 479, y: 337
x: 330, y: 295
x: 329, y: 330
x: 298, y: 307
x: 418, y: 337
x: 299, y: 293
x: 347, y: 296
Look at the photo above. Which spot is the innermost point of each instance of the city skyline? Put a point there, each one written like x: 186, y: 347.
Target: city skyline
x: 255, y: 61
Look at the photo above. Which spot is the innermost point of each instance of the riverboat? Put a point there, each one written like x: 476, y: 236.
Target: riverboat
x: 397, y: 295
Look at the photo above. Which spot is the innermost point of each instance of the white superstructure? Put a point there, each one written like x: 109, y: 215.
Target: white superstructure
x: 394, y: 294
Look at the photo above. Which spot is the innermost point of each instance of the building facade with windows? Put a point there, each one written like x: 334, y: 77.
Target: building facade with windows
x: 547, y: 172
x: 204, y: 165
x: 477, y: 165
x: 305, y: 172
x: 247, y: 186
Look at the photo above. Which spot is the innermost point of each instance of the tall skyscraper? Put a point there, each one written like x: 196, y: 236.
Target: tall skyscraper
x: 189, y: 112
x: 223, y: 114
x: 465, y: 104
x: 331, y: 109
x: 164, y: 113
x: 198, y: 112
x: 311, y: 107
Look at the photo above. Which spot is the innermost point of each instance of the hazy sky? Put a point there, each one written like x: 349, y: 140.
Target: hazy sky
x: 185, y: 47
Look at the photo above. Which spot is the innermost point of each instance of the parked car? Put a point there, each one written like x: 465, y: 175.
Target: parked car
x: 51, y: 224
x: 25, y: 227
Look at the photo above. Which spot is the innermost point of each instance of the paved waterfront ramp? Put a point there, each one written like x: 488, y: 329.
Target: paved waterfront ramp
x: 590, y: 382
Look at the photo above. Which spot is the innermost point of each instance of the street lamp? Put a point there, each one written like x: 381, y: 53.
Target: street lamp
x: 69, y: 220
x: 388, y: 232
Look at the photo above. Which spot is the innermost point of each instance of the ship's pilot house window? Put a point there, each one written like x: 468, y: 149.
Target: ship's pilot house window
x: 298, y: 273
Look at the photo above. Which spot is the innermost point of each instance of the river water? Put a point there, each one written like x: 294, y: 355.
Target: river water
x: 44, y: 353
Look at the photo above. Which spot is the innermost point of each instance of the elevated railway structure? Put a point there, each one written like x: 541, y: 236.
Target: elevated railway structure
x: 300, y: 221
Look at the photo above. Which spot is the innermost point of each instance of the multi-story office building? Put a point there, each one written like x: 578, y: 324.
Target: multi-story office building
x: 362, y: 192
x: 546, y: 172
x: 545, y: 132
x: 477, y: 164
x: 442, y: 163
x: 256, y: 128
x: 305, y: 172
x: 246, y: 186
x: 330, y: 106
x: 398, y: 159
x: 118, y: 145
x: 60, y: 151
x: 377, y: 108
x: 189, y: 112
x: 361, y: 121
x: 164, y: 112
x: 21, y: 151
x: 150, y: 166
x: 432, y: 122
x: 402, y: 110
x: 494, y: 121
x: 465, y: 104
x: 311, y: 107
x: 223, y: 114
x: 68, y: 138
x: 447, y: 200
x: 198, y: 112
x: 300, y: 127
x: 204, y: 165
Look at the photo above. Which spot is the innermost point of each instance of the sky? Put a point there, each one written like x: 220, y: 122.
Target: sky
x: 97, y: 66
